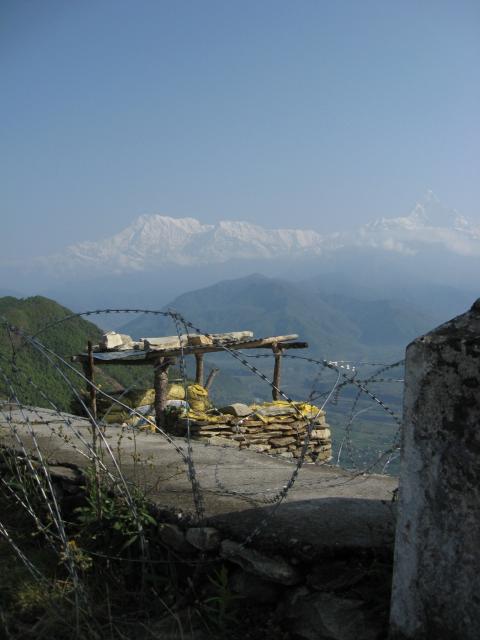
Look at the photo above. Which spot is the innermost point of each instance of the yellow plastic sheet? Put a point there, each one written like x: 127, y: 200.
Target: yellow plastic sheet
x: 176, y: 392
x: 292, y: 409
x: 197, y: 397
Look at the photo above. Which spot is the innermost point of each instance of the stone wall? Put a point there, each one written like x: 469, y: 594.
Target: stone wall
x: 337, y: 594
x: 284, y: 438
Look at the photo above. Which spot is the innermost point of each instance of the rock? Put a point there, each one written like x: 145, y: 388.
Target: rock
x: 113, y: 340
x: 204, y: 538
x: 271, y: 434
x: 199, y: 340
x: 334, y: 576
x: 254, y: 423
x: 252, y: 588
x: 259, y: 447
x: 282, y: 442
x: 223, y: 442
x: 232, y: 336
x: 276, y: 410
x: 270, y: 569
x: 110, y: 340
x: 321, y: 434
x: 206, y: 428
x: 207, y: 433
x: 237, y: 409
x: 322, y: 447
x: 173, y: 537
x: 292, y: 596
x: 164, y: 342
x: 67, y: 475
x: 324, y: 616
x: 283, y: 428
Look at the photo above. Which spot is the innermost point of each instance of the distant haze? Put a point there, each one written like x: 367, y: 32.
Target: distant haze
x: 304, y: 115
x: 156, y: 258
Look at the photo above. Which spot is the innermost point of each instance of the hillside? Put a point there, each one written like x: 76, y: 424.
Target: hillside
x: 35, y: 374
x: 336, y: 326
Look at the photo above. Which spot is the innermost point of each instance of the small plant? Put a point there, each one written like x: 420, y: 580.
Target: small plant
x: 221, y: 607
x: 112, y: 517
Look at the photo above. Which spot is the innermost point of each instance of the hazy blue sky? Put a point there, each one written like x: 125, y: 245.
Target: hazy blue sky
x: 300, y: 114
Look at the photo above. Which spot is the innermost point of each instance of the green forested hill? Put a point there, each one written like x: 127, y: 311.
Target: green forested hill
x: 31, y: 315
x: 336, y: 327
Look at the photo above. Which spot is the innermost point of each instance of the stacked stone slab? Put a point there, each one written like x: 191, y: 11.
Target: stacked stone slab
x: 284, y: 437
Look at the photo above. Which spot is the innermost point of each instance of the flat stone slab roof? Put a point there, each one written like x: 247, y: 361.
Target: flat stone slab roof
x: 327, y: 508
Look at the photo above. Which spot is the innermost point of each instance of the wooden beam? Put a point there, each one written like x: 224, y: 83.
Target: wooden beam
x: 211, y: 377
x: 150, y: 357
x: 89, y: 371
x: 277, y: 371
x: 248, y: 344
x: 199, y: 368
x: 294, y: 345
x: 160, y: 384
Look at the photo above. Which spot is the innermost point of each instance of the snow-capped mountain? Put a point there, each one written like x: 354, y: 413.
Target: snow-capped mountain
x: 429, y: 223
x: 152, y: 241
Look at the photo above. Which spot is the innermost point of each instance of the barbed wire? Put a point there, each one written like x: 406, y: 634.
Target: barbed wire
x: 196, y: 490
x: 345, y: 371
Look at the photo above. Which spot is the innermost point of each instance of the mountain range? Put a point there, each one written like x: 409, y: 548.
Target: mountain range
x: 430, y: 257
x: 152, y: 241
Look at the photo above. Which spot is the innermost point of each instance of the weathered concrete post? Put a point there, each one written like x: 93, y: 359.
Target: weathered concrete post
x: 436, y: 582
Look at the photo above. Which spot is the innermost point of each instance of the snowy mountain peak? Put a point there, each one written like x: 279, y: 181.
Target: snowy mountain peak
x: 429, y: 211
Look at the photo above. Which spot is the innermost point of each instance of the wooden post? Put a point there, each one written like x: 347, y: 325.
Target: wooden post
x: 160, y: 385
x: 199, y: 368
x: 211, y: 377
x: 277, y: 370
x: 91, y: 378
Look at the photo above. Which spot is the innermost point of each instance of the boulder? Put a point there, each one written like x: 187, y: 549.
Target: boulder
x: 237, y: 409
x: 203, y: 538
x: 270, y: 569
x: 252, y: 588
x: 173, y: 537
x: 324, y: 616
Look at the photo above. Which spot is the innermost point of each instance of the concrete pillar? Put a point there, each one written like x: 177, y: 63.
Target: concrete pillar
x: 436, y: 582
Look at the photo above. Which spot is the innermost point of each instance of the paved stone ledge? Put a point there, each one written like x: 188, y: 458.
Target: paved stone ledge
x: 328, y: 509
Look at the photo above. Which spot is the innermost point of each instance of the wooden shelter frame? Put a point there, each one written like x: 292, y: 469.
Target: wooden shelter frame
x: 162, y: 359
